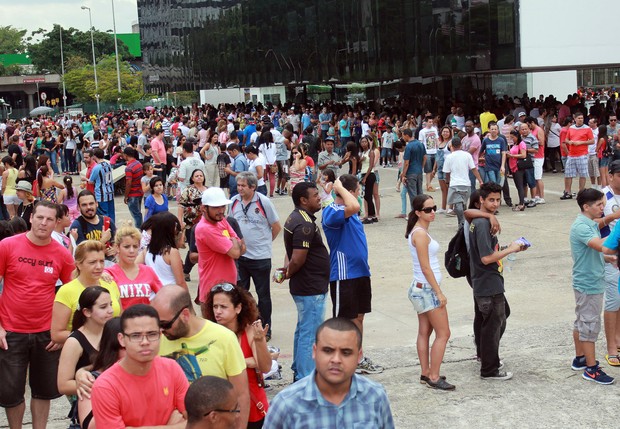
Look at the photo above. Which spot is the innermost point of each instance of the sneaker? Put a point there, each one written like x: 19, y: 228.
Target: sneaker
x: 531, y: 204
x: 499, y: 376
x: 450, y: 212
x: 390, y: 164
x: 597, y: 375
x: 579, y: 364
x: 539, y: 200
x: 187, y: 278
x: 566, y: 196
x: 440, y: 211
x: 574, y: 194
x: 366, y: 366
x: 527, y: 200
x: 384, y: 165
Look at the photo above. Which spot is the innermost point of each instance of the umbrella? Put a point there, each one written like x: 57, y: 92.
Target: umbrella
x: 41, y: 110
x: 149, y: 108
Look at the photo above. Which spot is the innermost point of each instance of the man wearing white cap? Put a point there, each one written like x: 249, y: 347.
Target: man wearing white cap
x: 218, y: 244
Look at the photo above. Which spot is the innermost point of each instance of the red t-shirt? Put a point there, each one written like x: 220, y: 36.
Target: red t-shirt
x: 579, y: 134
x: 90, y: 186
x: 121, y: 399
x: 540, y: 134
x: 214, y: 265
x: 140, y: 290
x: 30, y: 274
x: 134, y: 172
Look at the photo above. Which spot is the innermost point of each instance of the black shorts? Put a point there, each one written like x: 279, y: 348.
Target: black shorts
x: 27, y: 353
x: 350, y: 297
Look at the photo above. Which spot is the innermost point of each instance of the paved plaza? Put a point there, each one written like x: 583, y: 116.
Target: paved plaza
x: 537, y: 346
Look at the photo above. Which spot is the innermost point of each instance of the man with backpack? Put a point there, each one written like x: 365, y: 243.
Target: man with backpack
x: 488, y: 282
x: 260, y: 225
x: 91, y: 226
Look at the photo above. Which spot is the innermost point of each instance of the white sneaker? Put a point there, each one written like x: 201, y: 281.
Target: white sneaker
x: 440, y: 211
x: 527, y: 200
x: 539, y: 200
x: 450, y: 212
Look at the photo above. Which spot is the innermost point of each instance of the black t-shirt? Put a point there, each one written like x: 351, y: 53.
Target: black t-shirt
x: 15, y: 149
x: 301, y: 232
x: 28, y: 139
x: 487, y: 280
x: 24, y: 211
x: 89, y: 231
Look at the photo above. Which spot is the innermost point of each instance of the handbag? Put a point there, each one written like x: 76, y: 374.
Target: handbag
x: 525, y: 163
x: 273, y: 168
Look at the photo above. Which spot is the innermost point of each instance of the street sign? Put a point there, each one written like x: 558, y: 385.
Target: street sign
x: 43, y: 96
x: 34, y: 80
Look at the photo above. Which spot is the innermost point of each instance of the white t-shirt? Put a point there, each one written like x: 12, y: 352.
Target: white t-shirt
x: 259, y: 160
x: 458, y: 164
x: 428, y: 137
x: 592, y: 147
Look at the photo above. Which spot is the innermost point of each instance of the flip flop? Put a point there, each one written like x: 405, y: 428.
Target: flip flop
x: 610, y: 358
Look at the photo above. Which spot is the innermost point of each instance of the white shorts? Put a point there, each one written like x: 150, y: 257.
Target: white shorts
x: 538, y: 168
x: 12, y: 199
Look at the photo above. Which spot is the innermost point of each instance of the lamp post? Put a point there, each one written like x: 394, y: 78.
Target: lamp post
x: 118, y: 67
x: 92, y: 42
x: 62, y: 66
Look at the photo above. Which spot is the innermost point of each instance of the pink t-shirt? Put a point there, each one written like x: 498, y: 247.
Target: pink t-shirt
x: 139, y: 290
x: 214, y: 265
x: 469, y: 142
x: 159, y: 147
x: 515, y: 150
x: 121, y: 399
x: 30, y: 274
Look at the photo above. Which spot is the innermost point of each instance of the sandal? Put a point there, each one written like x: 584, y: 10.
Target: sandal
x: 518, y: 208
x: 430, y: 189
x: 613, y: 360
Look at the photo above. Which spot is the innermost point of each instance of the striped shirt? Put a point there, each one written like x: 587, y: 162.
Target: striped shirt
x: 102, y: 179
x: 134, y: 172
x: 302, y: 406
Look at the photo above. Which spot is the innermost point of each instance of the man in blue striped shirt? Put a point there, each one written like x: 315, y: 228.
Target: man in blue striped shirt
x: 333, y: 395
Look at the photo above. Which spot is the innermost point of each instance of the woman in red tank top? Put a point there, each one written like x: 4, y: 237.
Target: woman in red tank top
x: 236, y: 309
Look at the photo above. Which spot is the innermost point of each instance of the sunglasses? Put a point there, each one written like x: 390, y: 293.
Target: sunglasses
x: 236, y: 410
x: 226, y: 287
x: 427, y: 210
x: 167, y: 324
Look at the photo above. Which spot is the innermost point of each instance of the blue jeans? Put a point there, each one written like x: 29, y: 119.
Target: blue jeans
x: 414, y: 186
x: 403, y: 200
x: 310, y: 314
x: 134, y: 204
x: 54, y: 161
x: 492, y: 176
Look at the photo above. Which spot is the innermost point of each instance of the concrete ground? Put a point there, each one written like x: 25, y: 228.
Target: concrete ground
x: 537, y: 346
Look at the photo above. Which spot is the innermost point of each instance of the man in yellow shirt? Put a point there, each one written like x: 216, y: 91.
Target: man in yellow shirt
x: 486, y: 117
x: 200, y: 346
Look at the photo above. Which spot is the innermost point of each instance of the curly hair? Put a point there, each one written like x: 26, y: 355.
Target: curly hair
x: 249, y: 310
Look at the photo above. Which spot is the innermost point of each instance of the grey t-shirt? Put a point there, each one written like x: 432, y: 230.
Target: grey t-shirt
x: 487, y: 280
x: 255, y: 220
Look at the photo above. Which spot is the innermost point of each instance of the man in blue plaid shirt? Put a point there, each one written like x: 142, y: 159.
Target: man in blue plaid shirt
x: 333, y: 396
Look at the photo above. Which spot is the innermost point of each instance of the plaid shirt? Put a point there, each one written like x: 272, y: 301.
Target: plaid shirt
x: 302, y: 406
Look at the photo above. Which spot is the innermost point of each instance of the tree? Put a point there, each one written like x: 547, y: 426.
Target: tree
x: 11, y: 40
x: 45, y: 55
x: 81, y: 83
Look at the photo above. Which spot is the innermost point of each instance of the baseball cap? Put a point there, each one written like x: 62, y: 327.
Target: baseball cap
x: 522, y: 114
x: 329, y: 138
x: 214, y: 197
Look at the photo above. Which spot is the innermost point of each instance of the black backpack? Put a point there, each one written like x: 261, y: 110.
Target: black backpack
x: 457, y: 257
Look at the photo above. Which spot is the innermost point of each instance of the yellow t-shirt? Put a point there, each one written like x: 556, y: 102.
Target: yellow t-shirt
x: 69, y: 295
x: 214, y: 351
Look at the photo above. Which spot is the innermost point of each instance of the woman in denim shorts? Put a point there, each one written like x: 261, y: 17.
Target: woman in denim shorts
x: 425, y: 294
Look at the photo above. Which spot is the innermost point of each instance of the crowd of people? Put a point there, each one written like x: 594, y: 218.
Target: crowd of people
x: 99, y: 308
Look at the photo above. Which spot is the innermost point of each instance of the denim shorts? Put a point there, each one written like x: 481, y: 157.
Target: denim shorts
x: 423, y: 298
x: 27, y: 357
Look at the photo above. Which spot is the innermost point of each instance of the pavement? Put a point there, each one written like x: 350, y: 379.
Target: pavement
x: 537, y: 345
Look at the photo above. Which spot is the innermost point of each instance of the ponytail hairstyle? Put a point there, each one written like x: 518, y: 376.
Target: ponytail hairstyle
x: 68, y: 181
x: 87, y: 300
x: 416, y: 205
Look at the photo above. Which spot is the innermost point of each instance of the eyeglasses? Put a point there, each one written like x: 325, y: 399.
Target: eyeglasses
x: 235, y: 410
x: 612, y: 120
x: 226, y: 287
x: 295, y: 153
x: 427, y: 210
x: 167, y: 324
x: 137, y: 337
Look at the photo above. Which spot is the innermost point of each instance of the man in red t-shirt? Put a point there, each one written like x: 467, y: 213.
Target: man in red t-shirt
x: 30, y: 264
x: 217, y: 243
x: 159, y: 153
x: 539, y: 158
x: 90, y: 164
x: 133, y: 185
x: 578, y: 138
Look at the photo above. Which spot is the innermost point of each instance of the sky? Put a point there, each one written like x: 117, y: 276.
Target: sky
x: 34, y: 14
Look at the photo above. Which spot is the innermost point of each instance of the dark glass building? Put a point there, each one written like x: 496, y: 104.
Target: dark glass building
x: 442, y: 44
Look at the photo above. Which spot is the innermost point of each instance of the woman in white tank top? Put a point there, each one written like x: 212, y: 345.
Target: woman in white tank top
x: 425, y: 293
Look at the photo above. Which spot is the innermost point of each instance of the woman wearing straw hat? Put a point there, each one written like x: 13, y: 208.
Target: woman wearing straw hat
x: 23, y: 189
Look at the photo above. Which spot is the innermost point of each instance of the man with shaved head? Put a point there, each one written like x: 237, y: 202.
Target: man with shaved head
x: 211, y: 403
x: 199, y: 346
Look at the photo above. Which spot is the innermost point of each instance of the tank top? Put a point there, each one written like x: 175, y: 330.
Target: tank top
x: 88, y: 351
x: 10, y: 182
x: 257, y: 393
x: 433, y: 249
x: 161, y: 268
x: 365, y: 162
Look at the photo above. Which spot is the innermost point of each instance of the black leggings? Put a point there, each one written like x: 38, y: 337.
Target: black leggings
x: 368, y: 190
x: 519, y: 179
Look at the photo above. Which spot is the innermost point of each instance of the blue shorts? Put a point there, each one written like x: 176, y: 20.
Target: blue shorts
x: 423, y: 297
x: 430, y: 163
